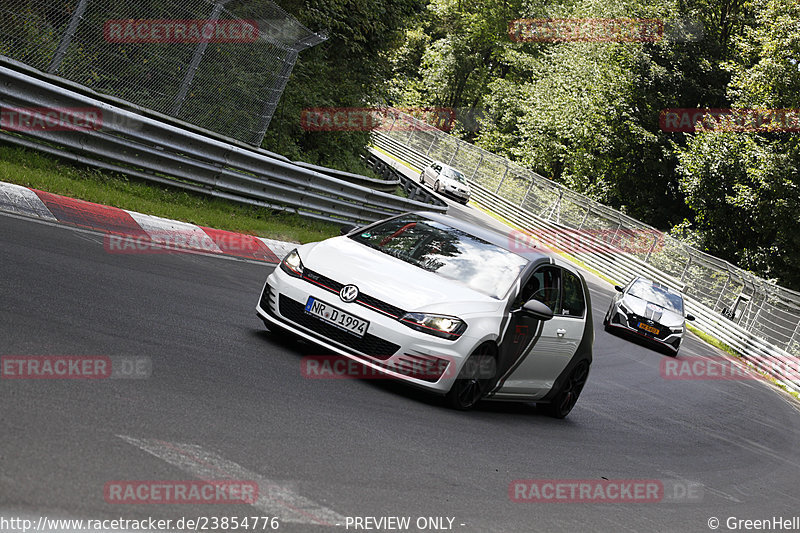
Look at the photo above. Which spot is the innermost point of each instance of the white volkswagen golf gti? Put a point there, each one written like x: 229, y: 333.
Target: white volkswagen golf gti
x: 444, y: 305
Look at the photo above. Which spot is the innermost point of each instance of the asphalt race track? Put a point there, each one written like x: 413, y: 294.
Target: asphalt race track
x: 227, y: 399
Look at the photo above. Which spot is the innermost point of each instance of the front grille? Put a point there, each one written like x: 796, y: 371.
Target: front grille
x: 368, y: 344
x: 363, y: 299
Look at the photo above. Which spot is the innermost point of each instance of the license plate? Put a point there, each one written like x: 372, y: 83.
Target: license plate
x: 337, y: 317
x: 649, y: 328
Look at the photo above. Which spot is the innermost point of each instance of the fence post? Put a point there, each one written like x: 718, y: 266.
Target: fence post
x: 791, y: 339
x: 410, y: 131
x: 477, y: 167
x: 452, y: 157
x: 66, y: 39
x: 270, y: 105
x: 760, y: 309
x: 585, y: 216
x: 722, y: 292
x: 195, y: 64
x: 528, y: 190
x: 502, y: 180
x: 431, y: 146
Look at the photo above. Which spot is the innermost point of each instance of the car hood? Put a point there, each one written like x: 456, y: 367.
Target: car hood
x: 450, y: 181
x: 392, y: 280
x: 653, y: 311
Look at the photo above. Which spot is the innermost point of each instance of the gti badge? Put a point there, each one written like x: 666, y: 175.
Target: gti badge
x: 348, y: 293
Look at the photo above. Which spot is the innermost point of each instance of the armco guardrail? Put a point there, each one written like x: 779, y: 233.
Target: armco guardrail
x: 413, y: 189
x: 388, y: 184
x: 147, y: 148
x: 759, y: 349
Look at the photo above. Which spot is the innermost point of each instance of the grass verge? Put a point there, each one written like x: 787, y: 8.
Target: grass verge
x: 32, y: 169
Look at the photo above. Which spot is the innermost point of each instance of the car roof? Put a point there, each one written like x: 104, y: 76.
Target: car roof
x: 657, y: 285
x: 500, y: 239
x: 444, y: 165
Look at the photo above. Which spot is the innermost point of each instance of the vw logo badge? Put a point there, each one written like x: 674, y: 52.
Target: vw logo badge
x: 348, y: 293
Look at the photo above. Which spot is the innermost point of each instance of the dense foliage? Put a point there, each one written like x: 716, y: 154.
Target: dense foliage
x: 587, y: 113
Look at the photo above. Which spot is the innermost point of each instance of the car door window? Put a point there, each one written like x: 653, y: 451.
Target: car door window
x: 544, y: 285
x: 574, y: 302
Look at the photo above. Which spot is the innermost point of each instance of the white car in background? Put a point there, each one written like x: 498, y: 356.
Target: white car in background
x: 446, y: 180
x: 441, y: 304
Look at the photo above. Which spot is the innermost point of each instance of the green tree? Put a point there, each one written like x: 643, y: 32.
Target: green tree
x: 348, y: 70
x: 744, y: 188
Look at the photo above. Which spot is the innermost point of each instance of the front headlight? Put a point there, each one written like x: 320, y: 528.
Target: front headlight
x: 292, y: 264
x: 446, y: 327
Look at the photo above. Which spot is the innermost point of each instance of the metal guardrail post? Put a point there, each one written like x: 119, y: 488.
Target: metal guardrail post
x: 66, y: 39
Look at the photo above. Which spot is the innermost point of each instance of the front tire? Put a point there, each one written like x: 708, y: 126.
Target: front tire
x: 474, y: 379
x: 567, y: 397
x: 436, y: 186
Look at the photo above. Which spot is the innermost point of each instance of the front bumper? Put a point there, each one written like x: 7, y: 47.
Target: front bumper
x: 388, y: 347
x: 666, y: 337
x: 460, y: 195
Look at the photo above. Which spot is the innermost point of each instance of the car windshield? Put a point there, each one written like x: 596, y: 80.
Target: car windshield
x: 455, y: 174
x: 447, y: 252
x: 657, y: 295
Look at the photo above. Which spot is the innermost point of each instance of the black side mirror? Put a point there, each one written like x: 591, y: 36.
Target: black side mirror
x: 538, y: 310
x: 689, y: 317
x: 344, y: 230
x: 618, y: 288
